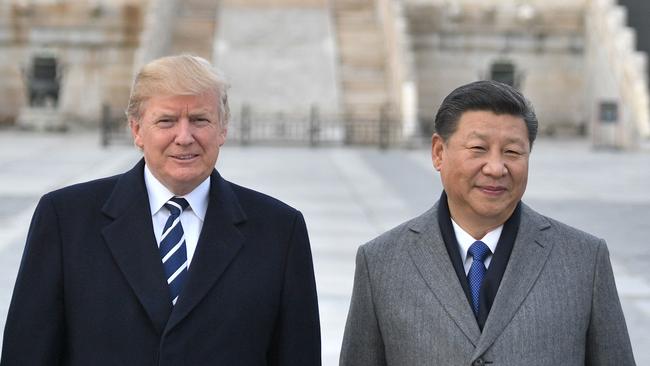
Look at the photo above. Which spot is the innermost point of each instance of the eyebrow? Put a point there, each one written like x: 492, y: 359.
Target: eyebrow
x: 166, y: 115
x: 510, y: 140
x: 478, y: 135
x: 199, y: 114
x: 192, y: 114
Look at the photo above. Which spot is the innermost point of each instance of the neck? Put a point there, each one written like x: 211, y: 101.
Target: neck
x: 478, y: 226
x: 476, y: 231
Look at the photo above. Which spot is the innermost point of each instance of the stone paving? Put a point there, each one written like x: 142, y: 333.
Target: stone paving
x: 350, y: 195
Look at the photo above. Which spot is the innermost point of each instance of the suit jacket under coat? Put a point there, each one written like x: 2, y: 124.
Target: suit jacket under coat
x: 91, y: 288
x: 557, y: 303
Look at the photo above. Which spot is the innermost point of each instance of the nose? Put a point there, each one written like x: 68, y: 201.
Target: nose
x: 495, y: 166
x: 184, y: 132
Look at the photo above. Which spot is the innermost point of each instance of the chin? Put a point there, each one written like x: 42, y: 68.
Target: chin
x: 500, y: 210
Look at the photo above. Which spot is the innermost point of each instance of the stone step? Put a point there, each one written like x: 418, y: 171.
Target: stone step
x: 361, y: 50
x: 193, y: 30
x: 364, y: 86
x: 195, y: 24
x: 373, y: 53
x: 370, y: 112
x: 360, y: 64
x: 365, y: 94
x: 357, y: 28
x: 199, y: 4
x: 361, y: 61
x: 352, y: 17
x: 342, y: 5
x: 197, y: 9
x: 367, y: 98
x: 360, y: 88
x: 361, y: 54
x: 356, y: 73
x: 363, y: 76
x: 362, y: 37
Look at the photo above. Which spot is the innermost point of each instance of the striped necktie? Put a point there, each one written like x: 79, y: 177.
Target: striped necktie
x: 479, y: 252
x: 172, y: 248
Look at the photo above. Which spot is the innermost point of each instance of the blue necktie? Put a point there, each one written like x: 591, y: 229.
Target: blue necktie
x: 172, y: 248
x: 479, y: 251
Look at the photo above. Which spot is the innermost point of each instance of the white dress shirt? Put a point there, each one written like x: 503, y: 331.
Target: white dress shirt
x: 192, y: 217
x: 465, y: 240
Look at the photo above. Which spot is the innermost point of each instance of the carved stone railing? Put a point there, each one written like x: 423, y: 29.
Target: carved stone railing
x: 617, y: 74
x: 400, y: 69
x: 156, y: 36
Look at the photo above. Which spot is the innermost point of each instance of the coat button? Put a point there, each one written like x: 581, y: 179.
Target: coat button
x: 478, y: 362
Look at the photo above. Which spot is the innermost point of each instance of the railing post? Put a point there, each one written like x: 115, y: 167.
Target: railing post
x: 350, y: 129
x: 105, y: 127
x: 245, y: 125
x: 314, y: 126
x: 384, y: 127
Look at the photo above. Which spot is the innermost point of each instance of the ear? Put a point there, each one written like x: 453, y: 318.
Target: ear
x: 222, y: 136
x: 437, y: 150
x: 135, y: 132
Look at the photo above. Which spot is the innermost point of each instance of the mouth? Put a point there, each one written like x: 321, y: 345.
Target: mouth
x: 184, y: 157
x: 492, y: 190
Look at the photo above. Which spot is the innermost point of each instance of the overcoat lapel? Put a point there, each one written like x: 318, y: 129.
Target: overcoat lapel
x: 218, y: 244
x: 428, y: 252
x: 529, y: 254
x: 131, y: 240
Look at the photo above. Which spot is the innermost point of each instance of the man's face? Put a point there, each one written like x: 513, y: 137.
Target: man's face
x: 180, y: 136
x: 483, y: 167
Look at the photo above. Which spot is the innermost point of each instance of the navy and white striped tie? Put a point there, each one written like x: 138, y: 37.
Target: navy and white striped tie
x: 172, y: 248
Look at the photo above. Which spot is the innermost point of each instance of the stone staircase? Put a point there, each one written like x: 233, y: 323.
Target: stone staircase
x: 362, y: 59
x: 637, y: 18
x: 194, y: 27
x: 192, y: 31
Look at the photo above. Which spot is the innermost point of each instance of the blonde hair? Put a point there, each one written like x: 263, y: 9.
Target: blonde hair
x: 178, y: 75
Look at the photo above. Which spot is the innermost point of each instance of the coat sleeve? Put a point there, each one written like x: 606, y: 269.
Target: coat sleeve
x: 296, y: 338
x: 362, y: 341
x: 608, y: 342
x: 34, y: 332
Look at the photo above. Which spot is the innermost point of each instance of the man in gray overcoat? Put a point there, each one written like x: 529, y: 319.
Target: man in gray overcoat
x: 481, y: 278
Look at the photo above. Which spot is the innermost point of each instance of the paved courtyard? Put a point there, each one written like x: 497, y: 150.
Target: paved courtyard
x: 350, y: 195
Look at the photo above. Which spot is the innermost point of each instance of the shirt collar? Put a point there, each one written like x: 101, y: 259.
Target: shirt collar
x: 159, y: 195
x: 465, y: 240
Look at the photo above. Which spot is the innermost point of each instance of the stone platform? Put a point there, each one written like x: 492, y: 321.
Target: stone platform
x: 348, y: 196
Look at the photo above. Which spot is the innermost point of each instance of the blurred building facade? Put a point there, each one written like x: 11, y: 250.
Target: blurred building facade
x: 66, y: 56
x: 577, y: 60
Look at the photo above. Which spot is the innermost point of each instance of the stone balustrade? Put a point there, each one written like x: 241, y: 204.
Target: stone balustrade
x: 156, y: 36
x: 617, y: 74
x: 400, y: 69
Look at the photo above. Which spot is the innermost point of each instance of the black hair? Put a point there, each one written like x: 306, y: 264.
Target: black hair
x: 484, y: 95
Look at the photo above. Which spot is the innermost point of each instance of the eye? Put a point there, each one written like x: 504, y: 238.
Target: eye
x: 477, y: 148
x: 164, y: 122
x: 201, y: 121
x: 512, y: 152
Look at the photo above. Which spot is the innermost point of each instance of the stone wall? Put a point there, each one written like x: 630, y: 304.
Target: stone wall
x: 541, y: 4
x: 457, y: 45
x: 92, y: 42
